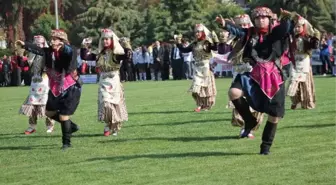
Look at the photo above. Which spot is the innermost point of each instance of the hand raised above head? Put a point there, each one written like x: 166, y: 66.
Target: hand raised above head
x: 220, y: 20
x: 19, y: 43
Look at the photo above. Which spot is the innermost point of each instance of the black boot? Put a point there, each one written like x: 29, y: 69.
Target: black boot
x: 243, y: 109
x: 268, y: 137
x: 56, y: 117
x: 74, y: 127
x: 66, y: 134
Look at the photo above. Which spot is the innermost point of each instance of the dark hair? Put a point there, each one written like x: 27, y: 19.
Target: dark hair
x: 144, y: 50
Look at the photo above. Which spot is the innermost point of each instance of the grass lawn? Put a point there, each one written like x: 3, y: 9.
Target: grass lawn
x: 164, y: 142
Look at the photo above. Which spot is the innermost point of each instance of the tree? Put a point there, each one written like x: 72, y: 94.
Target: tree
x: 170, y: 17
x: 227, y: 10
x: 119, y: 15
x: 45, y: 23
x: 320, y: 13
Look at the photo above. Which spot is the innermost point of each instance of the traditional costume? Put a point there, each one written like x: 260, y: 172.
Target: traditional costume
x: 111, y: 101
x: 263, y: 87
x: 203, y: 88
x: 65, y: 86
x: 301, y: 85
x: 35, y: 103
x: 241, y: 67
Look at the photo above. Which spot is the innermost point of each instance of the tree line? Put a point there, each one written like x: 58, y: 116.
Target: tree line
x: 143, y: 21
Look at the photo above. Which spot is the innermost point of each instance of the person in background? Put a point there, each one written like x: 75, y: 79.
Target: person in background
x: 1, y: 74
x: 15, y: 72
x: 177, y: 63
x: 188, y: 68
x: 325, y: 46
x: 6, y: 70
x: 136, y: 58
x: 143, y: 62
x: 127, y: 63
x: 150, y: 69
x: 166, y: 62
x: 158, y: 60
x: 79, y: 61
x: 22, y: 61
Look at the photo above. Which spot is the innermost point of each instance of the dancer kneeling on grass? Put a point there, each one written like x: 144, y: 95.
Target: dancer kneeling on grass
x: 35, y: 104
x: 65, y: 86
x: 203, y: 88
x: 111, y: 102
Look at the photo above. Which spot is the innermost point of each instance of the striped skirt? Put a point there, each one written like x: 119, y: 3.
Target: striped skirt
x: 207, y: 95
x: 238, y: 121
x: 29, y: 110
x: 112, y: 113
x: 305, y: 92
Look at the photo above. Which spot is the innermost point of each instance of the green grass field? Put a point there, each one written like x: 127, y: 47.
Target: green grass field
x: 164, y: 142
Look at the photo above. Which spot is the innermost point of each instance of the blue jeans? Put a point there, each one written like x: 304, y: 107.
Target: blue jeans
x: 188, y: 69
x: 326, y: 64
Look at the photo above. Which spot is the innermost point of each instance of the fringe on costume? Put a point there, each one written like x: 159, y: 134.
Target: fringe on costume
x: 112, y: 113
x: 32, y: 110
x: 238, y: 121
x: 305, y: 92
x: 206, y: 96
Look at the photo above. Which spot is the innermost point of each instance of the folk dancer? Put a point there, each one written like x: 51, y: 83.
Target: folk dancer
x: 301, y: 87
x: 111, y: 101
x: 65, y: 85
x: 35, y: 104
x: 263, y: 87
x: 203, y: 87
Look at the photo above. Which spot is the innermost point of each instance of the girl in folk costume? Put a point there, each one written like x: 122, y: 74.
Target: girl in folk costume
x: 34, y: 105
x: 263, y: 87
x: 241, y: 67
x: 65, y: 88
x: 203, y: 87
x: 301, y: 88
x: 111, y: 102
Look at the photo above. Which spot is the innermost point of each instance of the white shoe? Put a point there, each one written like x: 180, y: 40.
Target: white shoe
x: 241, y: 132
x: 50, y: 129
x: 324, y: 74
x: 114, y: 133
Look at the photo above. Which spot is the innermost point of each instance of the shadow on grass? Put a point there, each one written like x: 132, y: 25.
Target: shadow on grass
x: 26, y: 147
x: 159, y: 112
x: 172, y: 155
x: 310, y: 126
x: 175, y: 139
x: 23, y: 136
x: 175, y: 112
x: 181, y: 122
x: 51, y: 135
x: 87, y: 135
x: 11, y: 134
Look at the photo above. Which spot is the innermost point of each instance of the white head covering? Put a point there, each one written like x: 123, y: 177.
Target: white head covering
x: 107, y: 33
x: 39, y: 39
x: 308, y: 28
x: 208, y: 34
x: 243, y: 21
